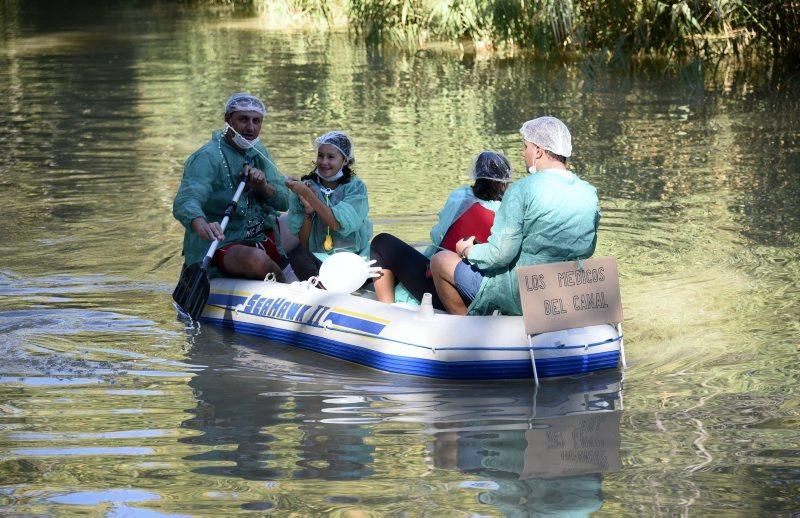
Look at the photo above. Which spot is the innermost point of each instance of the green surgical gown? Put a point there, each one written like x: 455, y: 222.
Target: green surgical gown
x: 210, y: 178
x: 350, y: 207
x: 550, y: 216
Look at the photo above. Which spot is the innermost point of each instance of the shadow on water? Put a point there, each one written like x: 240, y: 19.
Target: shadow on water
x: 272, y: 412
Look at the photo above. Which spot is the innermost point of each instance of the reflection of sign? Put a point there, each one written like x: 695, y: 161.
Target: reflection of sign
x: 572, y: 445
x: 571, y: 294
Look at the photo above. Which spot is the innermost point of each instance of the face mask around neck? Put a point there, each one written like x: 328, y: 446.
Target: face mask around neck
x: 240, y: 141
x: 330, y: 178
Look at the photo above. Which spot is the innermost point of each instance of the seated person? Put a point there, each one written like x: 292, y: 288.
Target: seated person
x: 468, y: 211
x: 550, y: 216
x: 250, y: 246
x: 330, y: 211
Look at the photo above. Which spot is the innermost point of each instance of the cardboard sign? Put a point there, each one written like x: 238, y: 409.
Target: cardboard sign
x: 558, y: 296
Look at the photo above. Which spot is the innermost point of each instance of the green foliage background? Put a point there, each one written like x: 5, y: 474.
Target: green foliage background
x: 616, y: 28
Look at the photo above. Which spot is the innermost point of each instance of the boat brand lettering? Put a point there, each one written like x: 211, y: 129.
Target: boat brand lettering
x: 264, y: 301
x: 264, y: 307
x: 281, y: 313
x: 293, y: 310
x: 316, y: 316
x: 248, y: 307
x: 275, y: 308
x: 279, y: 308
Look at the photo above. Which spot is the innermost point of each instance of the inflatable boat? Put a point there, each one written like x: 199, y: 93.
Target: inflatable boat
x: 404, y: 339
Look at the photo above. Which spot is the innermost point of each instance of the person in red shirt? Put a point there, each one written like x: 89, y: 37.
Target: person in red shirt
x: 469, y: 211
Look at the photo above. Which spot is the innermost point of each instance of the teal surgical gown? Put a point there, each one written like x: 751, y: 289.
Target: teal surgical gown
x: 210, y: 178
x: 350, y: 207
x: 550, y: 216
x: 459, y: 201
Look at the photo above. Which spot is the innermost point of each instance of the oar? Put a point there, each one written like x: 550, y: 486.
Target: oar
x: 193, y: 287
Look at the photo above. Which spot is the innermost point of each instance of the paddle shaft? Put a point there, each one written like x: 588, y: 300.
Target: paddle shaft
x: 224, y: 223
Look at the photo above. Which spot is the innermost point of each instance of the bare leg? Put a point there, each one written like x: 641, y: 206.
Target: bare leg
x: 384, y: 286
x: 251, y: 263
x: 304, y: 263
x: 401, y: 264
x: 443, y: 268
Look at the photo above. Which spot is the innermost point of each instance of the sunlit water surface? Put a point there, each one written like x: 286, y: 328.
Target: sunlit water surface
x: 109, y: 406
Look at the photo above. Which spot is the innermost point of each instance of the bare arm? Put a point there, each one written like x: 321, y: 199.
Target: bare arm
x: 310, y: 199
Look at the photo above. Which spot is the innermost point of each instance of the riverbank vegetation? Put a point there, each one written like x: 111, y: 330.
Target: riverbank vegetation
x: 618, y: 29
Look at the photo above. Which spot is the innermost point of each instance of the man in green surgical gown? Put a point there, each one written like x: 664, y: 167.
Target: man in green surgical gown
x: 250, y: 245
x: 550, y: 216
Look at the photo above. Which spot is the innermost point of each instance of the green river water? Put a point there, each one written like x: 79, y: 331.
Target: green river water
x: 109, y: 406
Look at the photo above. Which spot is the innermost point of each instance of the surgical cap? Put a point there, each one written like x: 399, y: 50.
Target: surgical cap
x: 340, y: 141
x: 491, y: 166
x: 244, y: 102
x: 548, y: 133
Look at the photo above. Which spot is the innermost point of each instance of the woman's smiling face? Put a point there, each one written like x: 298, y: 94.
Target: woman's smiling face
x: 329, y: 160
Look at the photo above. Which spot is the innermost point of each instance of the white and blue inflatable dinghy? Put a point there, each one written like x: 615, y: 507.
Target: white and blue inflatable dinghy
x: 405, y: 340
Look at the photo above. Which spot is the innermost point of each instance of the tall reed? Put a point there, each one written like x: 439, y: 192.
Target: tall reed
x: 663, y: 28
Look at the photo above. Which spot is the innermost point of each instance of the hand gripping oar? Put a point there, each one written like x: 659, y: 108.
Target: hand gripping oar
x: 193, y: 287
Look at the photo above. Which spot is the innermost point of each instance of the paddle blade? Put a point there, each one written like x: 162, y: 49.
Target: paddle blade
x: 192, y: 290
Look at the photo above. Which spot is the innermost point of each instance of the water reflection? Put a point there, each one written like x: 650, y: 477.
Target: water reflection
x: 271, y: 412
x: 276, y: 433
x: 554, y: 466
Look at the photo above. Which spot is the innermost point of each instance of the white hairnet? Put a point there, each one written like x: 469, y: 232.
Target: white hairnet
x: 548, y: 133
x: 491, y: 166
x: 244, y: 102
x: 340, y: 141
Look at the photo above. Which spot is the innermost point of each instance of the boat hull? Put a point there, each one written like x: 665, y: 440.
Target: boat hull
x: 406, y: 341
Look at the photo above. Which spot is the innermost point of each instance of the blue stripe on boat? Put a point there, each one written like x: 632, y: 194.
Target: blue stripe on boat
x: 351, y: 322
x: 475, y: 370
x: 374, y: 328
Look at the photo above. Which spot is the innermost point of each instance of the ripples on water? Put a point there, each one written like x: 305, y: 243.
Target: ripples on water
x: 109, y: 406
